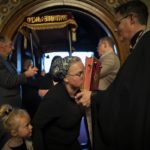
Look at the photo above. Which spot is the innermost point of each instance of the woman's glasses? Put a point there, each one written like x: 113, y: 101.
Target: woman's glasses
x: 80, y: 74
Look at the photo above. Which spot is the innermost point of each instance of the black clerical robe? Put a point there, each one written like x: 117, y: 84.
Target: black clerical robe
x: 121, y: 115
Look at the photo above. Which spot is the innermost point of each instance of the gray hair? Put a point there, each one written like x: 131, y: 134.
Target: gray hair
x: 109, y: 40
x: 60, y: 67
x: 134, y: 7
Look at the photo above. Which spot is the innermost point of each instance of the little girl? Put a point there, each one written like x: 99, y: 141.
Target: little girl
x: 17, y: 123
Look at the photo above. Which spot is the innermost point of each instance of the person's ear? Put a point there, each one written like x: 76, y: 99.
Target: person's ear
x: 13, y: 132
x: 65, y: 80
x: 132, y: 19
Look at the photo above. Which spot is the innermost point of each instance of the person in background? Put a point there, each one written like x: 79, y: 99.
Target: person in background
x: 48, y: 81
x: 27, y: 63
x: 57, y: 121
x: 10, y: 81
x: 109, y: 61
x: 30, y: 97
x: 121, y: 114
x: 17, y: 123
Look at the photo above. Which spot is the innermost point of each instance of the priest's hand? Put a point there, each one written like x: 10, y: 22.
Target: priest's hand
x: 83, y: 98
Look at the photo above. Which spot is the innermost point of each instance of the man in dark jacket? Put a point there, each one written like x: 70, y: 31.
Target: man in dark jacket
x: 10, y: 81
x: 121, y: 114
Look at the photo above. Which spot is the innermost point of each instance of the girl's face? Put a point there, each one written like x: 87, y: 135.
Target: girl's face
x: 24, y: 129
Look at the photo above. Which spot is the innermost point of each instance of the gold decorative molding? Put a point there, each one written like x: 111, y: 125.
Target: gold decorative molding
x: 8, y: 8
x: 114, y: 3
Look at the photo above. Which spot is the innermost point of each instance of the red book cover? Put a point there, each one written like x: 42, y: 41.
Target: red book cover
x: 91, y: 73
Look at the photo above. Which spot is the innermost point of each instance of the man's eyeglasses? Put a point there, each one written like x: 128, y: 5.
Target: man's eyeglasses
x: 119, y: 21
x: 80, y: 74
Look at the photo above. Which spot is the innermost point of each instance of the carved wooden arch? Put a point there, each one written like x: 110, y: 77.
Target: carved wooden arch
x: 99, y: 10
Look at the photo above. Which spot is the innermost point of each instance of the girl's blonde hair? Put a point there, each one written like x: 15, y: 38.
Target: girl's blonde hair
x: 10, y: 116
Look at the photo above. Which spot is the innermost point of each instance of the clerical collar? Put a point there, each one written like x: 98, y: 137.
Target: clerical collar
x: 135, y: 39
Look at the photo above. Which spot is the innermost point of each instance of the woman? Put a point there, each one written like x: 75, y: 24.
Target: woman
x: 57, y: 121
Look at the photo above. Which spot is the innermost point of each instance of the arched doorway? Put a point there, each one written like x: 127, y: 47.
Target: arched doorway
x: 97, y: 16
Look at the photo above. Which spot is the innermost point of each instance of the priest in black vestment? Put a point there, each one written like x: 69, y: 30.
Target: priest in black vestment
x: 121, y: 114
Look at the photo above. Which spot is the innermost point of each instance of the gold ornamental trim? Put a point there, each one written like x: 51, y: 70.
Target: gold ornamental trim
x: 44, y: 19
x: 49, y: 22
x: 52, y: 25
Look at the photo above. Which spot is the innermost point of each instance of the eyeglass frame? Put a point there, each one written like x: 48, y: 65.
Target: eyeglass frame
x: 81, y: 73
x: 119, y: 21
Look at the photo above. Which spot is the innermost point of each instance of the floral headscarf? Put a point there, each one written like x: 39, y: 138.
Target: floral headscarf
x: 60, y: 67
